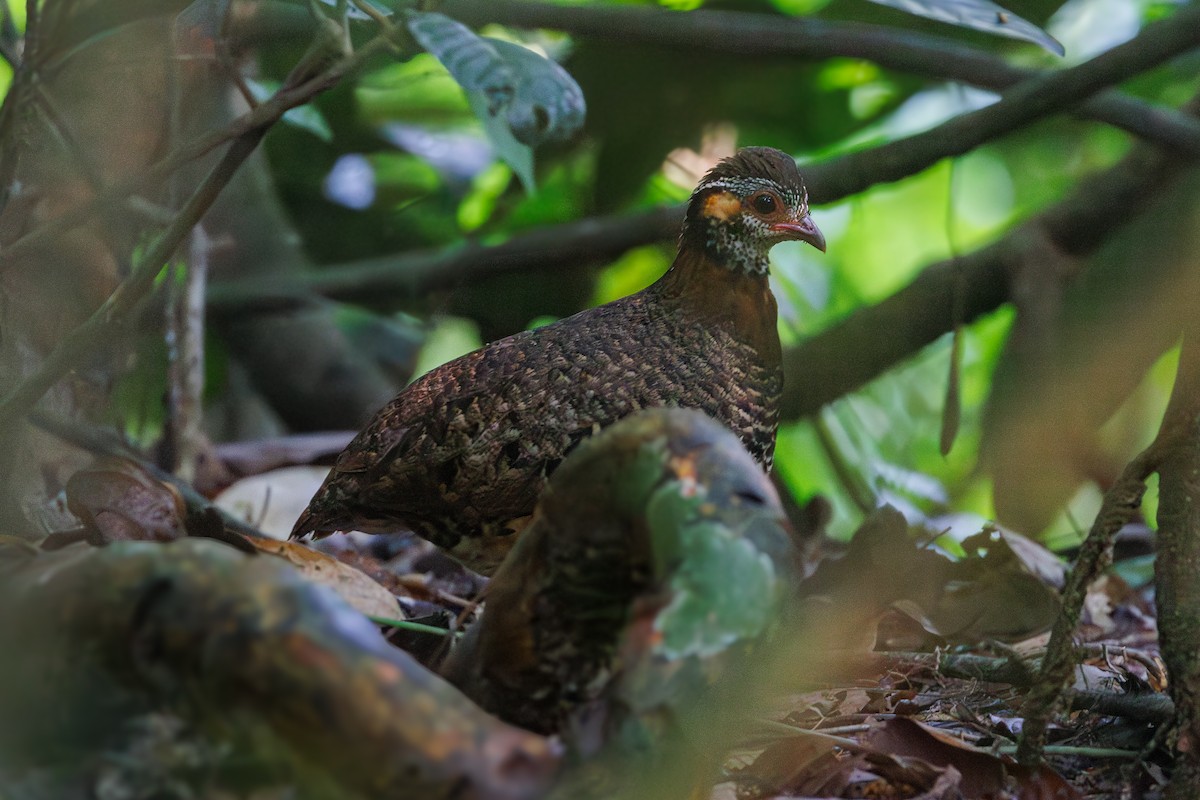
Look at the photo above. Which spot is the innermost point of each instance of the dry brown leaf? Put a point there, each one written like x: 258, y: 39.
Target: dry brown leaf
x: 119, y: 501
x: 982, y: 773
x: 266, y: 455
x: 354, y: 586
x: 948, y: 786
x: 801, y: 764
x: 1005, y: 605
x: 1036, y: 558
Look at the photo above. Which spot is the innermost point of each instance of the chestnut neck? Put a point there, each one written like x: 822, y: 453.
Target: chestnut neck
x: 724, y: 296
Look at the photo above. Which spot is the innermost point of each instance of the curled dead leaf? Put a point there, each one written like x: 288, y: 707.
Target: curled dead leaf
x: 117, y: 500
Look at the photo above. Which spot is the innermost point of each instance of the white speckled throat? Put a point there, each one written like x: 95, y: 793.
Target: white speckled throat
x: 740, y: 242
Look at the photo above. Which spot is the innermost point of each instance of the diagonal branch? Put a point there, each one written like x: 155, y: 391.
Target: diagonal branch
x: 412, y: 274
x: 246, y: 133
x: 1044, y: 95
x: 751, y: 34
x: 918, y: 314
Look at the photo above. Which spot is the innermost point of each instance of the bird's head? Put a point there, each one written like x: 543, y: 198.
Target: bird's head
x: 747, y: 204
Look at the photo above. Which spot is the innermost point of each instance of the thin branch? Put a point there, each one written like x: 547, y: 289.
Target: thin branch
x: 10, y: 37
x: 1175, y: 455
x: 1142, y: 706
x: 96, y: 329
x: 922, y: 311
x: 9, y: 53
x: 185, y: 361
x: 588, y: 241
x: 749, y: 34
x: 1120, y: 503
x: 1177, y: 592
x: 12, y: 115
x: 1047, y: 94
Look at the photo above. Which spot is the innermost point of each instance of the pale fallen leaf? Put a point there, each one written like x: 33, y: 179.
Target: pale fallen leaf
x: 354, y: 586
x: 273, y: 500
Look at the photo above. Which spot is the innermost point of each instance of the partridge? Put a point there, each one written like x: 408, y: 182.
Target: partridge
x: 461, y: 455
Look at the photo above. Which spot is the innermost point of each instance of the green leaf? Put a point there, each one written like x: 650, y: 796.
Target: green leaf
x: 522, y: 98
x: 477, y: 207
x: 516, y: 155
x: 723, y: 588
x: 978, y: 15
x: 638, y: 479
x: 667, y: 513
x: 470, y: 59
x: 547, y: 104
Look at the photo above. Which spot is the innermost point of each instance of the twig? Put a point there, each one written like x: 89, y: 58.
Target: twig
x: 749, y: 34
x: 830, y: 180
x: 1141, y: 706
x: 185, y: 360
x: 416, y: 627
x: 850, y: 479
x: 12, y: 110
x: 1120, y: 503
x: 10, y: 37
x: 1075, y: 750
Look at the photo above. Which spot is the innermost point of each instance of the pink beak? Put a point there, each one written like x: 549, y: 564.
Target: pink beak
x: 805, y: 231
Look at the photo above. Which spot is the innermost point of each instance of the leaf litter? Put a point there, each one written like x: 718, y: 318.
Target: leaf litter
x: 910, y: 721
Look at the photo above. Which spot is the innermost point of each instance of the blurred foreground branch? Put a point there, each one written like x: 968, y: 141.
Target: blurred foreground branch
x: 113, y: 312
x: 270, y: 682
x: 1178, y: 562
x: 323, y: 704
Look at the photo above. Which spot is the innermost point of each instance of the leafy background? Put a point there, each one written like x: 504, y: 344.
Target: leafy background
x: 359, y: 176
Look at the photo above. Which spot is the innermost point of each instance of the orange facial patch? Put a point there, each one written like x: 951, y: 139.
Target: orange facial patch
x: 722, y: 206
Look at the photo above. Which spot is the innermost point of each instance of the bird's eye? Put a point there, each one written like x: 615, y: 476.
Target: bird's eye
x: 764, y: 203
